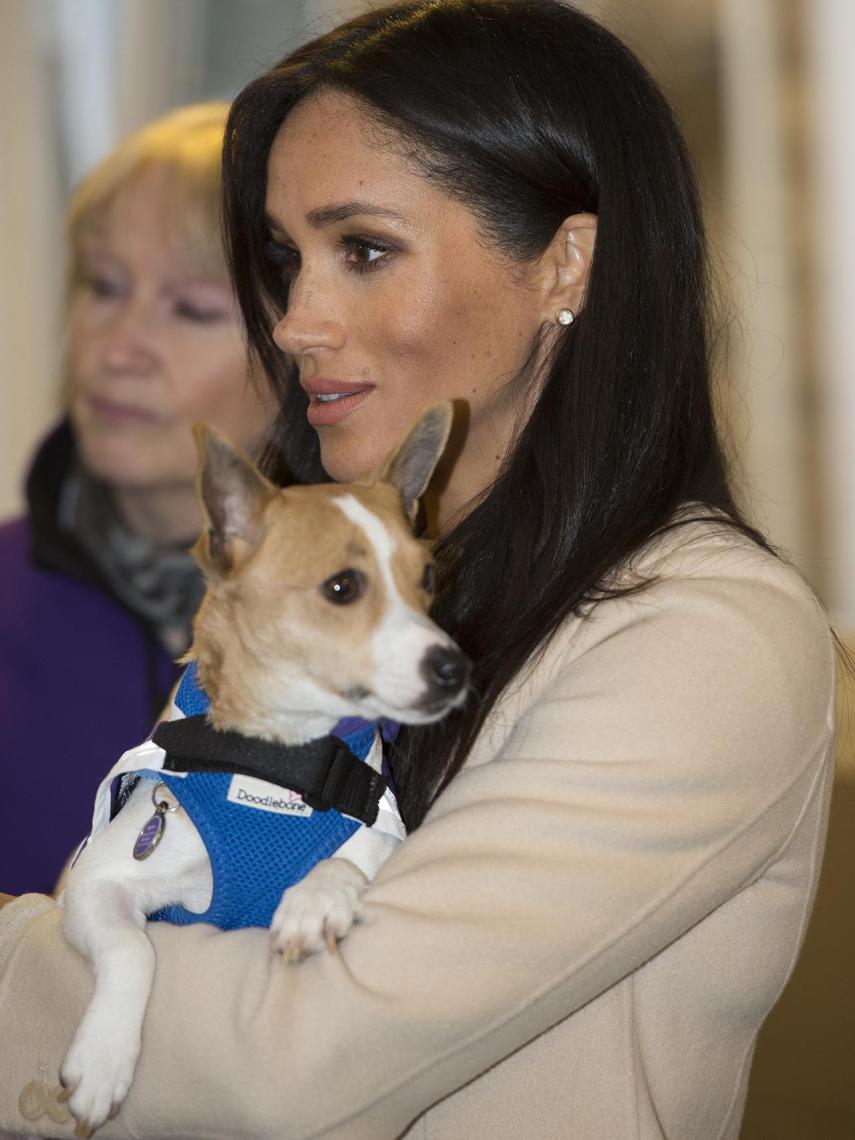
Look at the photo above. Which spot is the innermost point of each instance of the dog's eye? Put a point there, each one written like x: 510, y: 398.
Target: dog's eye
x: 428, y: 578
x: 344, y: 587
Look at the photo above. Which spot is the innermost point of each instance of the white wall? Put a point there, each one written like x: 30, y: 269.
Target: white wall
x: 31, y: 245
x: 830, y: 35
x: 764, y: 364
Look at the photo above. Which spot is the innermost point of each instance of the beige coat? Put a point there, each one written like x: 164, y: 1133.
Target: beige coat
x: 581, y: 941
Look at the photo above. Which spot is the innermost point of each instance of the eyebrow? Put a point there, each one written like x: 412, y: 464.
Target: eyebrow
x: 329, y: 215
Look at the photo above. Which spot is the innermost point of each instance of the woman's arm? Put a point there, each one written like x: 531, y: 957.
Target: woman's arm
x: 654, y: 763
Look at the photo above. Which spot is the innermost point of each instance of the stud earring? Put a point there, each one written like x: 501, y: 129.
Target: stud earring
x: 565, y: 316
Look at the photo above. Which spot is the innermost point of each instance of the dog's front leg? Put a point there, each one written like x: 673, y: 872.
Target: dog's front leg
x: 104, y: 921
x: 106, y: 900
x: 320, y: 909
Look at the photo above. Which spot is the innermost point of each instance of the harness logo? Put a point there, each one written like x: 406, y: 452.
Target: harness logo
x: 258, y: 794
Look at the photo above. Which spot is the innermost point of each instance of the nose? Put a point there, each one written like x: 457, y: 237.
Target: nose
x: 311, y: 321
x: 130, y: 344
x: 446, y: 670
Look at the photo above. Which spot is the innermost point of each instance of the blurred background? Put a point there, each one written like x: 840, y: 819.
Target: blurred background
x: 764, y: 90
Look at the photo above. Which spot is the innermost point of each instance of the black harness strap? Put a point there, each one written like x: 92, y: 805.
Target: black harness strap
x: 324, y: 771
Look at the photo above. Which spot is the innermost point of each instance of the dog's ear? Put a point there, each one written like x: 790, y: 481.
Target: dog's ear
x: 233, y: 494
x: 411, y: 464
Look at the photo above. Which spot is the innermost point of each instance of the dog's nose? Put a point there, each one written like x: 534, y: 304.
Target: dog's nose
x: 446, y: 670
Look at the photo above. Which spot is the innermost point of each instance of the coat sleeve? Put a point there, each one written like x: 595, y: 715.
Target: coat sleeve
x: 650, y: 766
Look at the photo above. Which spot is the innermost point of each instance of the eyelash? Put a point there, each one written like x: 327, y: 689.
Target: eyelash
x: 286, y: 258
x: 197, y: 315
x: 352, y: 243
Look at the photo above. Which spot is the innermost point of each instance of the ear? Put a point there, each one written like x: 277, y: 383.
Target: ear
x: 566, y: 263
x: 410, y: 466
x: 233, y: 494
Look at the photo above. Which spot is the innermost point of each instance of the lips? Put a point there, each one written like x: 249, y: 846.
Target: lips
x: 110, y: 411
x: 333, y: 400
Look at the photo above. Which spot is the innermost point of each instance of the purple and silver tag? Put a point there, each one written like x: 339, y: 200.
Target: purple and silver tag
x: 152, y: 831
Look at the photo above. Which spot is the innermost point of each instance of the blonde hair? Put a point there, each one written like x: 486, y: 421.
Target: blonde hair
x: 188, y: 143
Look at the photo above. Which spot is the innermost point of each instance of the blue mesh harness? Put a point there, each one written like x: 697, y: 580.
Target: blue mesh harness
x: 255, y: 851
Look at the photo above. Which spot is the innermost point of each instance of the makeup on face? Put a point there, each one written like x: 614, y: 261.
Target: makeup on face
x: 395, y: 298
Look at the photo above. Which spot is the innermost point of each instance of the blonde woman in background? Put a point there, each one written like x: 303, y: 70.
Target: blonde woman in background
x: 97, y: 588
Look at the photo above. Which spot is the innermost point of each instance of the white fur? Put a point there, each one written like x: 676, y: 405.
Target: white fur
x: 106, y: 901
x: 404, y: 635
x: 319, y: 910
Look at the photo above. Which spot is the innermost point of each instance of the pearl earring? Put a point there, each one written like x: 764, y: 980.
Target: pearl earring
x: 565, y: 316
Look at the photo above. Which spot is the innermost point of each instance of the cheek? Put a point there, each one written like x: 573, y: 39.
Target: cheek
x: 213, y: 385
x: 421, y: 348
x: 428, y: 321
x: 452, y: 338
x: 385, y: 337
x: 83, y: 345
x: 332, y: 644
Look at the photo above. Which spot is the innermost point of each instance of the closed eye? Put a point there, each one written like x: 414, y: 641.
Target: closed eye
x: 428, y: 578
x: 101, y: 285
x: 200, y: 314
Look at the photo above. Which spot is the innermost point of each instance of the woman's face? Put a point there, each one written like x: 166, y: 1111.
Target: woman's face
x: 396, y: 301
x: 155, y: 345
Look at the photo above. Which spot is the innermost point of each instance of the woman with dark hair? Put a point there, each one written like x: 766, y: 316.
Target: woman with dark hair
x: 614, y: 845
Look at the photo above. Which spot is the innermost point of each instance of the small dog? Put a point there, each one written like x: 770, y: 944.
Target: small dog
x: 316, y: 610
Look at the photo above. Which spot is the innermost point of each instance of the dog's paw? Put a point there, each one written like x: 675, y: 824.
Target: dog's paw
x: 97, y: 1073
x: 318, y: 911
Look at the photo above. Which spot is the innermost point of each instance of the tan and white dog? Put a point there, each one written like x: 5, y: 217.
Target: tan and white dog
x: 316, y: 610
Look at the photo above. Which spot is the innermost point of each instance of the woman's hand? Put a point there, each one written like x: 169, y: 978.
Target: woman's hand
x: 5, y: 899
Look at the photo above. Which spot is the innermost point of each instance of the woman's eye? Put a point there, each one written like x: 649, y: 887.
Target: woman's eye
x: 199, y: 314
x: 428, y: 578
x: 344, y: 587
x: 284, y: 258
x: 102, y: 286
x: 365, y: 254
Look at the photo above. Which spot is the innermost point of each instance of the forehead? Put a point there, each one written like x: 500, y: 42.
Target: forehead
x: 330, y: 523
x: 153, y: 216
x: 331, y: 148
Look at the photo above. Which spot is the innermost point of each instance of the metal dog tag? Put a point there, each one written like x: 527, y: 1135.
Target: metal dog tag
x: 152, y: 831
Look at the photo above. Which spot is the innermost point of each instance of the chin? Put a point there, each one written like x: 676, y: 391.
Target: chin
x: 343, y: 466
x: 110, y: 461
x: 109, y: 468
x: 122, y: 467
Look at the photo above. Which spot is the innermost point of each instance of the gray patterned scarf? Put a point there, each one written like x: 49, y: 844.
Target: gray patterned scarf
x: 161, y: 584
